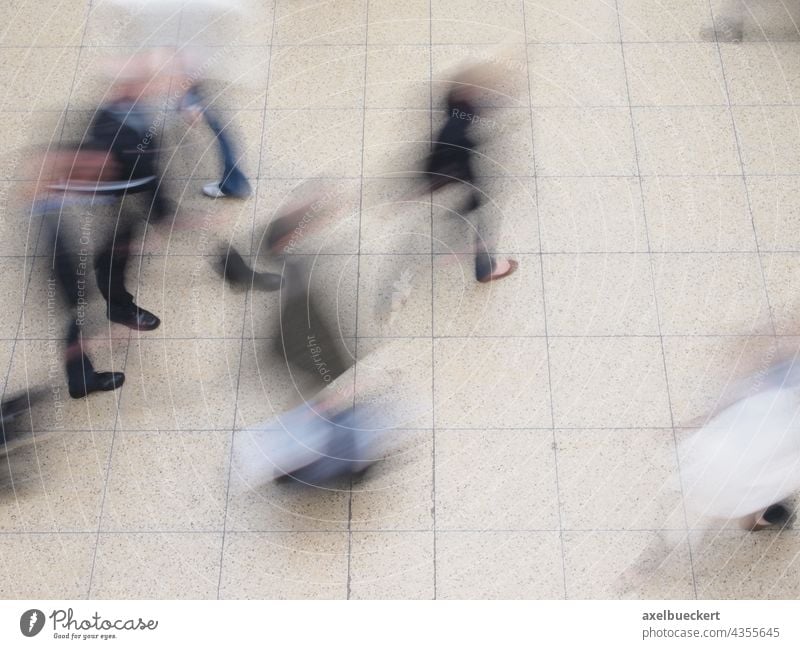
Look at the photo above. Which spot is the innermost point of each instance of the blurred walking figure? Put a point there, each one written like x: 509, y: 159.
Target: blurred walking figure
x: 192, y: 65
x: 745, y: 462
x: 451, y: 162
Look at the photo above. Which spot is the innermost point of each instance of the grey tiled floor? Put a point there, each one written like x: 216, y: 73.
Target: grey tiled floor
x: 648, y: 181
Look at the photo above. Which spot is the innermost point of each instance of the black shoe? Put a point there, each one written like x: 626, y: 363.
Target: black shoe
x: 97, y: 382
x: 133, y: 317
x: 235, y: 270
x: 776, y: 514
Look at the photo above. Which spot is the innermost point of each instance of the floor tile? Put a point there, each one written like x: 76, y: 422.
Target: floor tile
x: 27, y: 131
x: 709, y: 214
x: 577, y: 75
x: 156, y: 566
x: 686, y: 141
x: 394, y: 295
x: 584, y: 142
x: 391, y: 565
x: 249, y: 22
x: 233, y: 78
x: 769, y: 139
x: 189, y: 296
x: 108, y: 25
x: 167, y: 481
x: 571, y: 21
x: 281, y: 507
x: 479, y: 473
x: 741, y: 565
x: 761, y: 73
x: 391, y: 86
x: 591, y: 215
x: 677, y: 74
x: 46, y: 566
x: 397, y: 493
x: 781, y: 276
x: 707, y: 373
x: 310, y: 22
x: 36, y: 79
x: 776, y: 209
x: 599, y: 295
x: 284, y: 566
x: 19, y: 227
x: 491, y: 381
x: 55, y: 483
x: 710, y: 294
x: 664, y: 20
x: 51, y: 22
x: 591, y: 382
x: 498, y: 565
x: 628, y: 565
x: 312, y: 143
x: 390, y: 23
x: 619, y: 479
x: 490, y: 21
x: 464, y: 307
x: 330, y: 217
x: 394, y: 217
x: 506, y: 219
x: 394, y: 141
x: 180, y: 384
x: 400, y: 370
x: 317, y: 77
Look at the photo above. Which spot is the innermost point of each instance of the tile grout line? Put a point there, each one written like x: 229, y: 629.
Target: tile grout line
x: 544, y: 312
x: 247, y: 300
x: 655, y: 295
x: 742, y: 167
x: 358, y: 286
x: 433, y: 318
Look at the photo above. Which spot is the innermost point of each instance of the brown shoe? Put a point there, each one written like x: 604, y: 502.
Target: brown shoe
x: 512, y: 266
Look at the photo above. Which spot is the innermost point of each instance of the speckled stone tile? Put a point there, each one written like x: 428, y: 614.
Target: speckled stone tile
x: 391, y: 565
x: 677, y: 74
x: 769, y: 139
x: 54, y: 482
x: 571, y: 21
x: 50, y: 22
x: 628, y: 565
x: 592, y: 387
x: 766, y: 20
x: 624, y: 479
x: 464, y: 307
x: 180, y: 384
x: 686, y: 141
x: 310, y: 22
x: 710, y: 294
x: 743, y: 565
x: 781, y: 276
x: 664, y: 20
x: 589, y: 74
x: 498, y: 565
x: 36, y: 78
x: 474, y: 385
x: 698, y: 214
x: 488, y: 21
x: 46, y: 566
x: 391, y: 86
x: 317, y: 77
x: 167, y: 481
x: 776, y: 211
x: 761, y: 73
x: 390, y: 23
x: 584, y: 142
x: 284, y: 566
x: 706, y: 373
x: 394, y: 218
x: 495, y: 480
x: 156, y: 566
x: 599, y: 295
x: 591, y: 215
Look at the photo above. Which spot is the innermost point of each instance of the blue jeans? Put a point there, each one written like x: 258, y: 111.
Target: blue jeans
x: 234, y: 182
